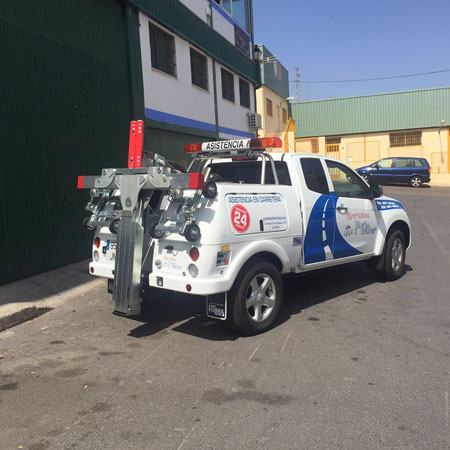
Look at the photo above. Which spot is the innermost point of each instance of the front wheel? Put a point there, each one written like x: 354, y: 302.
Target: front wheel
x: 255, y: 299
x: 415, y: 181
x: 393, y: 256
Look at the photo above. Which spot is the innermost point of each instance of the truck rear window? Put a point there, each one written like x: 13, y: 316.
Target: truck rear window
x: 249, y: 172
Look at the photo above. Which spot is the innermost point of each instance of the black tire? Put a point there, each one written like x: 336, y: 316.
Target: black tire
x: 253, y: 319
x: 415, y: 181
x: 393, y: 258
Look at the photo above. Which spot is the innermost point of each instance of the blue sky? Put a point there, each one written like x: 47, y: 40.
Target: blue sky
x: 348, y: 39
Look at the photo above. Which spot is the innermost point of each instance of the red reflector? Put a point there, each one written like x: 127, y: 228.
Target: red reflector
x: 97, y: 242
x: 273, y: 142
x: 196, y: 181
x: 80, y: 181
x: 192, y: 148
x: 194, y: 253
x: 188, y: 287
x: 92, y: 270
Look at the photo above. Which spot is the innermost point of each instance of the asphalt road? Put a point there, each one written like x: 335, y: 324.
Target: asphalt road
x: 353, y: 364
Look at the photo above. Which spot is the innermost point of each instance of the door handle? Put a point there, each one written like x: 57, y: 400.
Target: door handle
x: 342, y: 209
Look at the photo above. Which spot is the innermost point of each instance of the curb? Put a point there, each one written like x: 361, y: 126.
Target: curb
x: 31, y: 297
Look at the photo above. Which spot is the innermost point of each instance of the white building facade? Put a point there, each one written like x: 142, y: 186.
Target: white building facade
x: 198, y: 71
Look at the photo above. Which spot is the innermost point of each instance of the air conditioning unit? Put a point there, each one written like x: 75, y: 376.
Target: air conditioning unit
x: 254, y: 121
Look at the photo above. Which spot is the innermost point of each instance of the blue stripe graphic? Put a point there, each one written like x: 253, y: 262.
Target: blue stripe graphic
x: 186, y: 122
x: 178, y: 120
x: 322, y: 232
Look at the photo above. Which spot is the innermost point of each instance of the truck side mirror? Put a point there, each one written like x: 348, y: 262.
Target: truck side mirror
x: 376, y: 190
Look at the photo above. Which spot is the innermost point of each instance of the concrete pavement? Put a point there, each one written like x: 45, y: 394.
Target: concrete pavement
x: 30, y: 297
x: 353, y: 363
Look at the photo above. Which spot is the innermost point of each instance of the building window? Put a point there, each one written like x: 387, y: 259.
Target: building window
x: 333, y: 140
x: 332, y: 144
x: 162, y: 47
x: 199, y: 70
x: 227, y: 85
x: 244, y: 93
x: 239, y: 10
x: 405, y: 138
x: 284, y: 115
x: 269, y: 107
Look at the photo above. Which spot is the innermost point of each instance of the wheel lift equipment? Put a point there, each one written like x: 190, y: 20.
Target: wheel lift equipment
x: 136, y: 185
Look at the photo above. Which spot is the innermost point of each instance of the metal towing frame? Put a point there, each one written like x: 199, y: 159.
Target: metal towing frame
x: 121, y: 200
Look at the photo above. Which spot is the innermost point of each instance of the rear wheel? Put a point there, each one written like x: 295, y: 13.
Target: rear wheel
x: 255, y: 299
x: 415, y: 181
x: 393, y: 256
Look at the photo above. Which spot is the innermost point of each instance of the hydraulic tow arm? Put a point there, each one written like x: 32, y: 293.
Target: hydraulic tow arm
x: 120, y: 199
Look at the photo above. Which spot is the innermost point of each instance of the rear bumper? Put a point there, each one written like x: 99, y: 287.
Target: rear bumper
x: 198, y: 286
x: 101, y: 270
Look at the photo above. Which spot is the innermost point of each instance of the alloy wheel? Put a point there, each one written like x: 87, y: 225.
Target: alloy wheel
x: 260, y: 297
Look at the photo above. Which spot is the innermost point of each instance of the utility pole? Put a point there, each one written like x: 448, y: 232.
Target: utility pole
x: 297, y: 84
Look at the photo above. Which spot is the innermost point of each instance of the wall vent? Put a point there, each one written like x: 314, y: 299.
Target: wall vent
x: 254, y: 121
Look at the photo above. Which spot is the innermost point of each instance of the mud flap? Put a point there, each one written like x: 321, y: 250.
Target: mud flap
x: 216, y: 306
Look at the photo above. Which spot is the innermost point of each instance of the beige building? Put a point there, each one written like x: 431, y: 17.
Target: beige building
x: 272, y: 101
x: 362, y: 130
x: 359, y: 150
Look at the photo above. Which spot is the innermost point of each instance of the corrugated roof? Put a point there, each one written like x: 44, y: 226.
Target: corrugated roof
x: 372, y: 113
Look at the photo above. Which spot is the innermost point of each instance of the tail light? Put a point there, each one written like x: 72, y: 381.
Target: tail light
x: 194, y: 253
x: 97, y: 242
x: 429, y: 169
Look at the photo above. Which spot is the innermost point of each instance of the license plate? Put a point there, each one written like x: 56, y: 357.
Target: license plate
x: 110, y: 250
x: 216, y: 306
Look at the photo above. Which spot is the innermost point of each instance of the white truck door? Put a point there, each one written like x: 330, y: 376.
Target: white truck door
x: 355, y: 217
x: 317, y: 208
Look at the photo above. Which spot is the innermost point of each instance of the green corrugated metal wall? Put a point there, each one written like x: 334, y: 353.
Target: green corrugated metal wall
x: 65, y: 111
x: 372, y: 113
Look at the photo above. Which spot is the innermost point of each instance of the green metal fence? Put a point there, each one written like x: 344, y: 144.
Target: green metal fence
x: 65, y: 111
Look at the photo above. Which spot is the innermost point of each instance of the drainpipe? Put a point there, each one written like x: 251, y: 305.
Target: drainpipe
x: 216, y: 109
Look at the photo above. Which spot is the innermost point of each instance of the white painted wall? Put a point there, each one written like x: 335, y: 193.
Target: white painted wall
x: 177, y: 96
x: 220, y: 23
x: 232, y: 114
x: 199, y: 7
x: 223, y: 27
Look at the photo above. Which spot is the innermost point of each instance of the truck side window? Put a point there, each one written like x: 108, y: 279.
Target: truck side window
x: 345, y: 182
x: 314, y: 174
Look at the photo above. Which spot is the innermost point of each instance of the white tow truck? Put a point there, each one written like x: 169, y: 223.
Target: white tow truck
x: 234, y: 223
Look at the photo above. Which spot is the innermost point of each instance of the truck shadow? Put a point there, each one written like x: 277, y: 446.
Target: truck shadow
x: 300, y: 293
